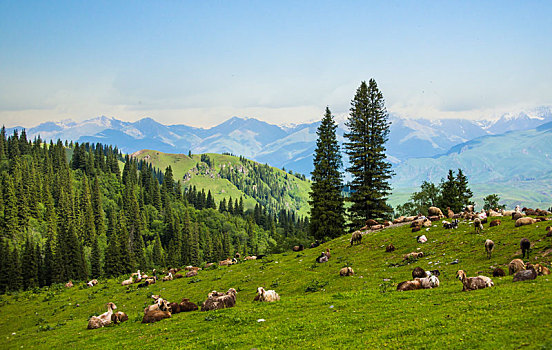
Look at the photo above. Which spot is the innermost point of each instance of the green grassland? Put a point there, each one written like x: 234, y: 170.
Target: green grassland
x: 318, y: 308
x: 295, y: 197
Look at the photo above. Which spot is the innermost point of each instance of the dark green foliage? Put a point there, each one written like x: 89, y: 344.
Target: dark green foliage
x: 95, y: 259
x: 428, y: 196
x: 327, y: 211
x: 368, y: 132
x: 492, y: 202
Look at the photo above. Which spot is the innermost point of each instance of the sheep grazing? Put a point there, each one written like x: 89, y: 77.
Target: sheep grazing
x: 473, y: 283
x: 495, y: 222
x: 191, y: 273
x: 413, y: 255
x: 498, y: 272
x: 524, y: 275
x: 478, y: 225
x: 515, y: 266
x: 155, y: 316
x: 346, y: 271
x: 356, y: 237
x: 525, y: 246
x: 322, y: 258
x: 69, y: 284
x: 390, y: 248
x: 327, y: 253
x: 267, y: 295
x: 217, y: 301
x: 418, y: 272
x: 119, y: 317
x: 542, y: 270
x: 102, y: 320
x: 298, y: 248
x: 525, y: 221
x: 489, y: 247
x: 434, y: 211
x: 450, y: 213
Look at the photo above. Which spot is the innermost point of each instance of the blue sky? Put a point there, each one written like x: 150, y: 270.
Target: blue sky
x: 201, y: 62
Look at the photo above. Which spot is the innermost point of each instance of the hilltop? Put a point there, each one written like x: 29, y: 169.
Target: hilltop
x: 230, y: 176
x: 318, y: 307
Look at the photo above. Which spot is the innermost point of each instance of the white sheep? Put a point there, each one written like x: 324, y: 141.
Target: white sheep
x: 102, y: 320
x: 267, y: 295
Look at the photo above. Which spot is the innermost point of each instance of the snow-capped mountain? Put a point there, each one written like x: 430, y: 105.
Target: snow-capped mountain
x: 289, y: 146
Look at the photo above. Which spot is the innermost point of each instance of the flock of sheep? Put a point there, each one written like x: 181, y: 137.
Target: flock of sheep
x: 422, y: 279
x: 429, y: 279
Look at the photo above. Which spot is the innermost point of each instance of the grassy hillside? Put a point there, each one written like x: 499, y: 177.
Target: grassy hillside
x: 318, y: 307
x: 208, y: 178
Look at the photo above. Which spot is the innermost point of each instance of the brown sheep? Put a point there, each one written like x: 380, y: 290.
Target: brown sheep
x: 525, y: 246
x: 399, y: 220
x: 489, y: 247
x: 174, y: 308
x: 498, y: 272
x: 529, y: 211
x: 390, y: 248
x: 346, y: 271
x: 495, y: 222
x: 524, y: 275
x: 327, y: 253
x: 192, y: 268
x: 434, y: 211
x: 208, y: 265
x: 432, y: 218
x: 478, y: 225
x: 191, y: 273
x: 356, y: 237
x: 409, y: 285
x: 473, y: 283
x: 542, y: 270
x: 517, y: 215
x: 416, y: 228
x: 376, y: 227
x: 450, y: 213
x: 525, y: 221
x: 186, y: 305
x: 418, y: 272
x: 155, y: 315
x: 119, y: 317
x: 216, y: 301
x: 69, y: 284
x: 371, y: 222
x: 515, y: 266
x: 386, y: 223
x: 251, y: 257
x: 178, y: 275
x: 102, y: 320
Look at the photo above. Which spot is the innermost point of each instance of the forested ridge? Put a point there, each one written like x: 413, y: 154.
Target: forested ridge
x: 68, y: 212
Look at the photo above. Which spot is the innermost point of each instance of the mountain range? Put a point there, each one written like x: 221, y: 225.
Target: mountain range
x: 282, y: 146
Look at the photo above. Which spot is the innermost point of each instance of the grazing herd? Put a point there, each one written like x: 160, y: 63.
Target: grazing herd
x: 421, y: 279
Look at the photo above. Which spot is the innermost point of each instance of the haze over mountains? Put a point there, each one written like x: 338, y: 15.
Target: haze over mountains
x: 283, y: 146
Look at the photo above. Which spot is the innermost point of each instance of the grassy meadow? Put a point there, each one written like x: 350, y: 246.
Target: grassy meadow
x: 318, y: 308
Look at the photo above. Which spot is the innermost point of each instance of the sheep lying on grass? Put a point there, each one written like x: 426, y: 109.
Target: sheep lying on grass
x: 525, y: 221
x: 515, y: 266
x: 413, y: 255
x: 473, y: 283
x: 498, y: 272
x: 267, y: 295
x: 542, y: 270
x: 346, y: 271
x: 102, y: 320
x: 119, y: 317
x: 524, y: 275
x: 217, y: 301
x: 419, y: 283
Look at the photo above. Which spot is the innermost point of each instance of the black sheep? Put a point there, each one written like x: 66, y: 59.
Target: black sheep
x: 525, y: 246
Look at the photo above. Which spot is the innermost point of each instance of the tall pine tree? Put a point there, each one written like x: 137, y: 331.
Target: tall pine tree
x: 327, y: 211
x: 368, y: 132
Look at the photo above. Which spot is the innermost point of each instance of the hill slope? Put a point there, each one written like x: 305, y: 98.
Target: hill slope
x: 230, y: 176
x: 318, y: 308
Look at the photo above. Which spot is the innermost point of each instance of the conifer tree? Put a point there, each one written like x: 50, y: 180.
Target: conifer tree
x: 368, y: 131
x: 222, y: 205
x: 210, y: 202
x: 95, y: 259
x: 230, y: 206
x: 87, y: 224
x: 99, y: 214
x: 326, y: 201
x: 11, y: 220
x: 239, y: 209
x: 464, y: 192
x: 29, y: 265
x: 157, y: 256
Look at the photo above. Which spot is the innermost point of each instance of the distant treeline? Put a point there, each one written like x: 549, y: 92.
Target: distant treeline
x: 67, y: 212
